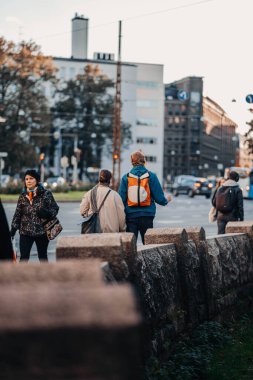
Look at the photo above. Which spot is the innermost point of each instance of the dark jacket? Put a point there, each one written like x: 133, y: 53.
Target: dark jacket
x: 6, y: 250
x: 156, y: 191
x: 29, y: 218
x: 238, y: 212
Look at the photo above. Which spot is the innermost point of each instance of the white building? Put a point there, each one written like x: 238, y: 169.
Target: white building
x: 142, y: 97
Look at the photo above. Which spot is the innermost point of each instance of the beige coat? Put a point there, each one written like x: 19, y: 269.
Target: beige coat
x: 112, y: 215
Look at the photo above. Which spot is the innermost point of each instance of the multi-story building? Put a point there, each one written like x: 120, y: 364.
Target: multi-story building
x: 244, y: 158
x: 142, y: 95
x: 199, y: 138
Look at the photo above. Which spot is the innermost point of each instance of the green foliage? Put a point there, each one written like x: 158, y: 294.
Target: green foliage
x: 191, y: 355
x: 23, y: 105
x: 12, y: 187
x: 86, y: 106
x: 235, y: 360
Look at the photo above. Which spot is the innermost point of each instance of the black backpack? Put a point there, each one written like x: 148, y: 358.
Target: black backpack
x: 224, y: 199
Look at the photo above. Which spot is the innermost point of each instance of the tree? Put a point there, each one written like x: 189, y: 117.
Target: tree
x: 85, y: 106
x: 24, y: 70
x: 249, y: 138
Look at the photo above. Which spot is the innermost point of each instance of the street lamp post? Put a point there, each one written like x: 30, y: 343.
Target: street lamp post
x: 172, y: 164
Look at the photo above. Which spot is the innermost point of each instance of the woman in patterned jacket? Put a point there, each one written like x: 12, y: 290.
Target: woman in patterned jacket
x: 35, y: 206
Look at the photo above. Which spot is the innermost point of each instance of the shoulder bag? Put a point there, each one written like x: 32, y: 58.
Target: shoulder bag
x: 90, y: 224
x: 52, y: 228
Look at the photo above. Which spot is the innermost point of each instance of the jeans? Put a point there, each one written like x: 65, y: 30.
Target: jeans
x: 26, y: 243
x: 139, y: 224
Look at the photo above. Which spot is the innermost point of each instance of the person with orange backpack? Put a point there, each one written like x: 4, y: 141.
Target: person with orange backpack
x: 140, y: 189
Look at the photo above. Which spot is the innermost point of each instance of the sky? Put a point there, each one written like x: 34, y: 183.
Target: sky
x: 208, y: 38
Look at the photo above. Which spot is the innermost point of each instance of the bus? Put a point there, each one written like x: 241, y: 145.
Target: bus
x: 245, y: 179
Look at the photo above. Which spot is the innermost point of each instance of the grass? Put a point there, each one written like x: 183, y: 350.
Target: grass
x: 71, y: 196
x: 211, y: 352
x: 235, y: 360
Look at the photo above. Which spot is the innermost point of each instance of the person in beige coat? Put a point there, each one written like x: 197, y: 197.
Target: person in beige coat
x: 112, y: 216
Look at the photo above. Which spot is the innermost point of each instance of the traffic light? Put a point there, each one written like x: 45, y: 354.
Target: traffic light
x: 42, y: 157
x: 115, y: 156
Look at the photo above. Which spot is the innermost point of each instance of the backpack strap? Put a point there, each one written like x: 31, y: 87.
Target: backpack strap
x: 145, y: 175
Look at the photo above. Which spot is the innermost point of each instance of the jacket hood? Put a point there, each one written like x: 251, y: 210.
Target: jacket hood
x: 138, y: 170
x: 230, y: 182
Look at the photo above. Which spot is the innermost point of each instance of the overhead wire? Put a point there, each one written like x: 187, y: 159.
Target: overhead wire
x: 196, y: 3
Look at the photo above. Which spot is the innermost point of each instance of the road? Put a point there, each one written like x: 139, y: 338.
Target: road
x: 181, y: 212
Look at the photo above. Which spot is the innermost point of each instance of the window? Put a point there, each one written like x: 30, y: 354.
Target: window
x: 147, y: 122
x: 72, y: 72
x: 146, y: 140
x: 147, y: 103
x: 62, y: 72
x: 151, y: 158
x: 146, y: 84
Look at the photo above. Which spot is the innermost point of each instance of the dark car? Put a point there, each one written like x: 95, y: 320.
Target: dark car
x: 192, y: 186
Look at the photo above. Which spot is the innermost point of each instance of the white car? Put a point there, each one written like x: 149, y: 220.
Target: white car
x: 54, y: 182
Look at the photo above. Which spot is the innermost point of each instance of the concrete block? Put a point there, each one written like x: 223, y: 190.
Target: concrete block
x: 166, y: 235
x: 196, y: 234
x: 240, y: 227
x: 58, y: 331
x: 63, y: 272
x: 106, y: 247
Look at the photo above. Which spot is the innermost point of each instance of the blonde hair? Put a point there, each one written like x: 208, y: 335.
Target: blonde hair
x: 138, y: 158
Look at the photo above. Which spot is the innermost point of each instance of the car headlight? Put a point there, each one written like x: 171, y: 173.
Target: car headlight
x: 54, y: 185
x: 45, y: 184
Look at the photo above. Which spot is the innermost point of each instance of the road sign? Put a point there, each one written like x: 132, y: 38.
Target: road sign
x: 249, y: 98
x: 3, y: 154
x: 182, y: 95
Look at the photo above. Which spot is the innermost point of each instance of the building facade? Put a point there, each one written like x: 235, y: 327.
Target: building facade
x: 199, y: 138
x: 141, y: 95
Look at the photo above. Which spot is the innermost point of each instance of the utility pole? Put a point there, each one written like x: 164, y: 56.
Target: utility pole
x: 117, y: 122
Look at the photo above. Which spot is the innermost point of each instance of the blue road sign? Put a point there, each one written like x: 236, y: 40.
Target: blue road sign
x: 249, y: 98
x: 182, y: 95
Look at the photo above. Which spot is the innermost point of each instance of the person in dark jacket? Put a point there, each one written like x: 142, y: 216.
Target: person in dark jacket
x: 237, y: 212
x: 35, y: 206
x: 6, y: 250
x: 140, y: 217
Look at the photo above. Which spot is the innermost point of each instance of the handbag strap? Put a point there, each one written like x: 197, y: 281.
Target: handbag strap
x: 104, y: 200
x: 94, y: 200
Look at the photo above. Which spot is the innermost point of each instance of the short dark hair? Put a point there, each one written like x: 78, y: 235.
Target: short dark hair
x: 105, y: 176
x: 234, y: 176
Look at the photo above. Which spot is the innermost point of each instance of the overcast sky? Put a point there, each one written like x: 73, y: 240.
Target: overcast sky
x: 209, y: 38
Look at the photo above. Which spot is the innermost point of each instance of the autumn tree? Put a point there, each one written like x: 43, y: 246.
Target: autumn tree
x: 24, y: 70
x: 249, y: 137
x: 85, y: 106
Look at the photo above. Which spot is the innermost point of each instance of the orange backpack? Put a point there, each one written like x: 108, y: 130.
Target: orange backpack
x: 138, y: 192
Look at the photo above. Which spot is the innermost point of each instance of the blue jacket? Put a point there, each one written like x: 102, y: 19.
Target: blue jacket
x: 156, y: 191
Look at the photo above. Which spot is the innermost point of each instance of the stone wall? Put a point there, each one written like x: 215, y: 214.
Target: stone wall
x: 181, y: 277
x: 83, y: 316
x: 60, y: 321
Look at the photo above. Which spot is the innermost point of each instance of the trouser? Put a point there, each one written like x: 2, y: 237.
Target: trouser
x: 221, y: 226
x: 26, y: 243
x: 139, y: 224
x: 223, y: 220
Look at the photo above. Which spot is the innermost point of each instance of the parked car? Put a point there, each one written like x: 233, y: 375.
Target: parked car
x: 192, y: 186
x: 54, y: 182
